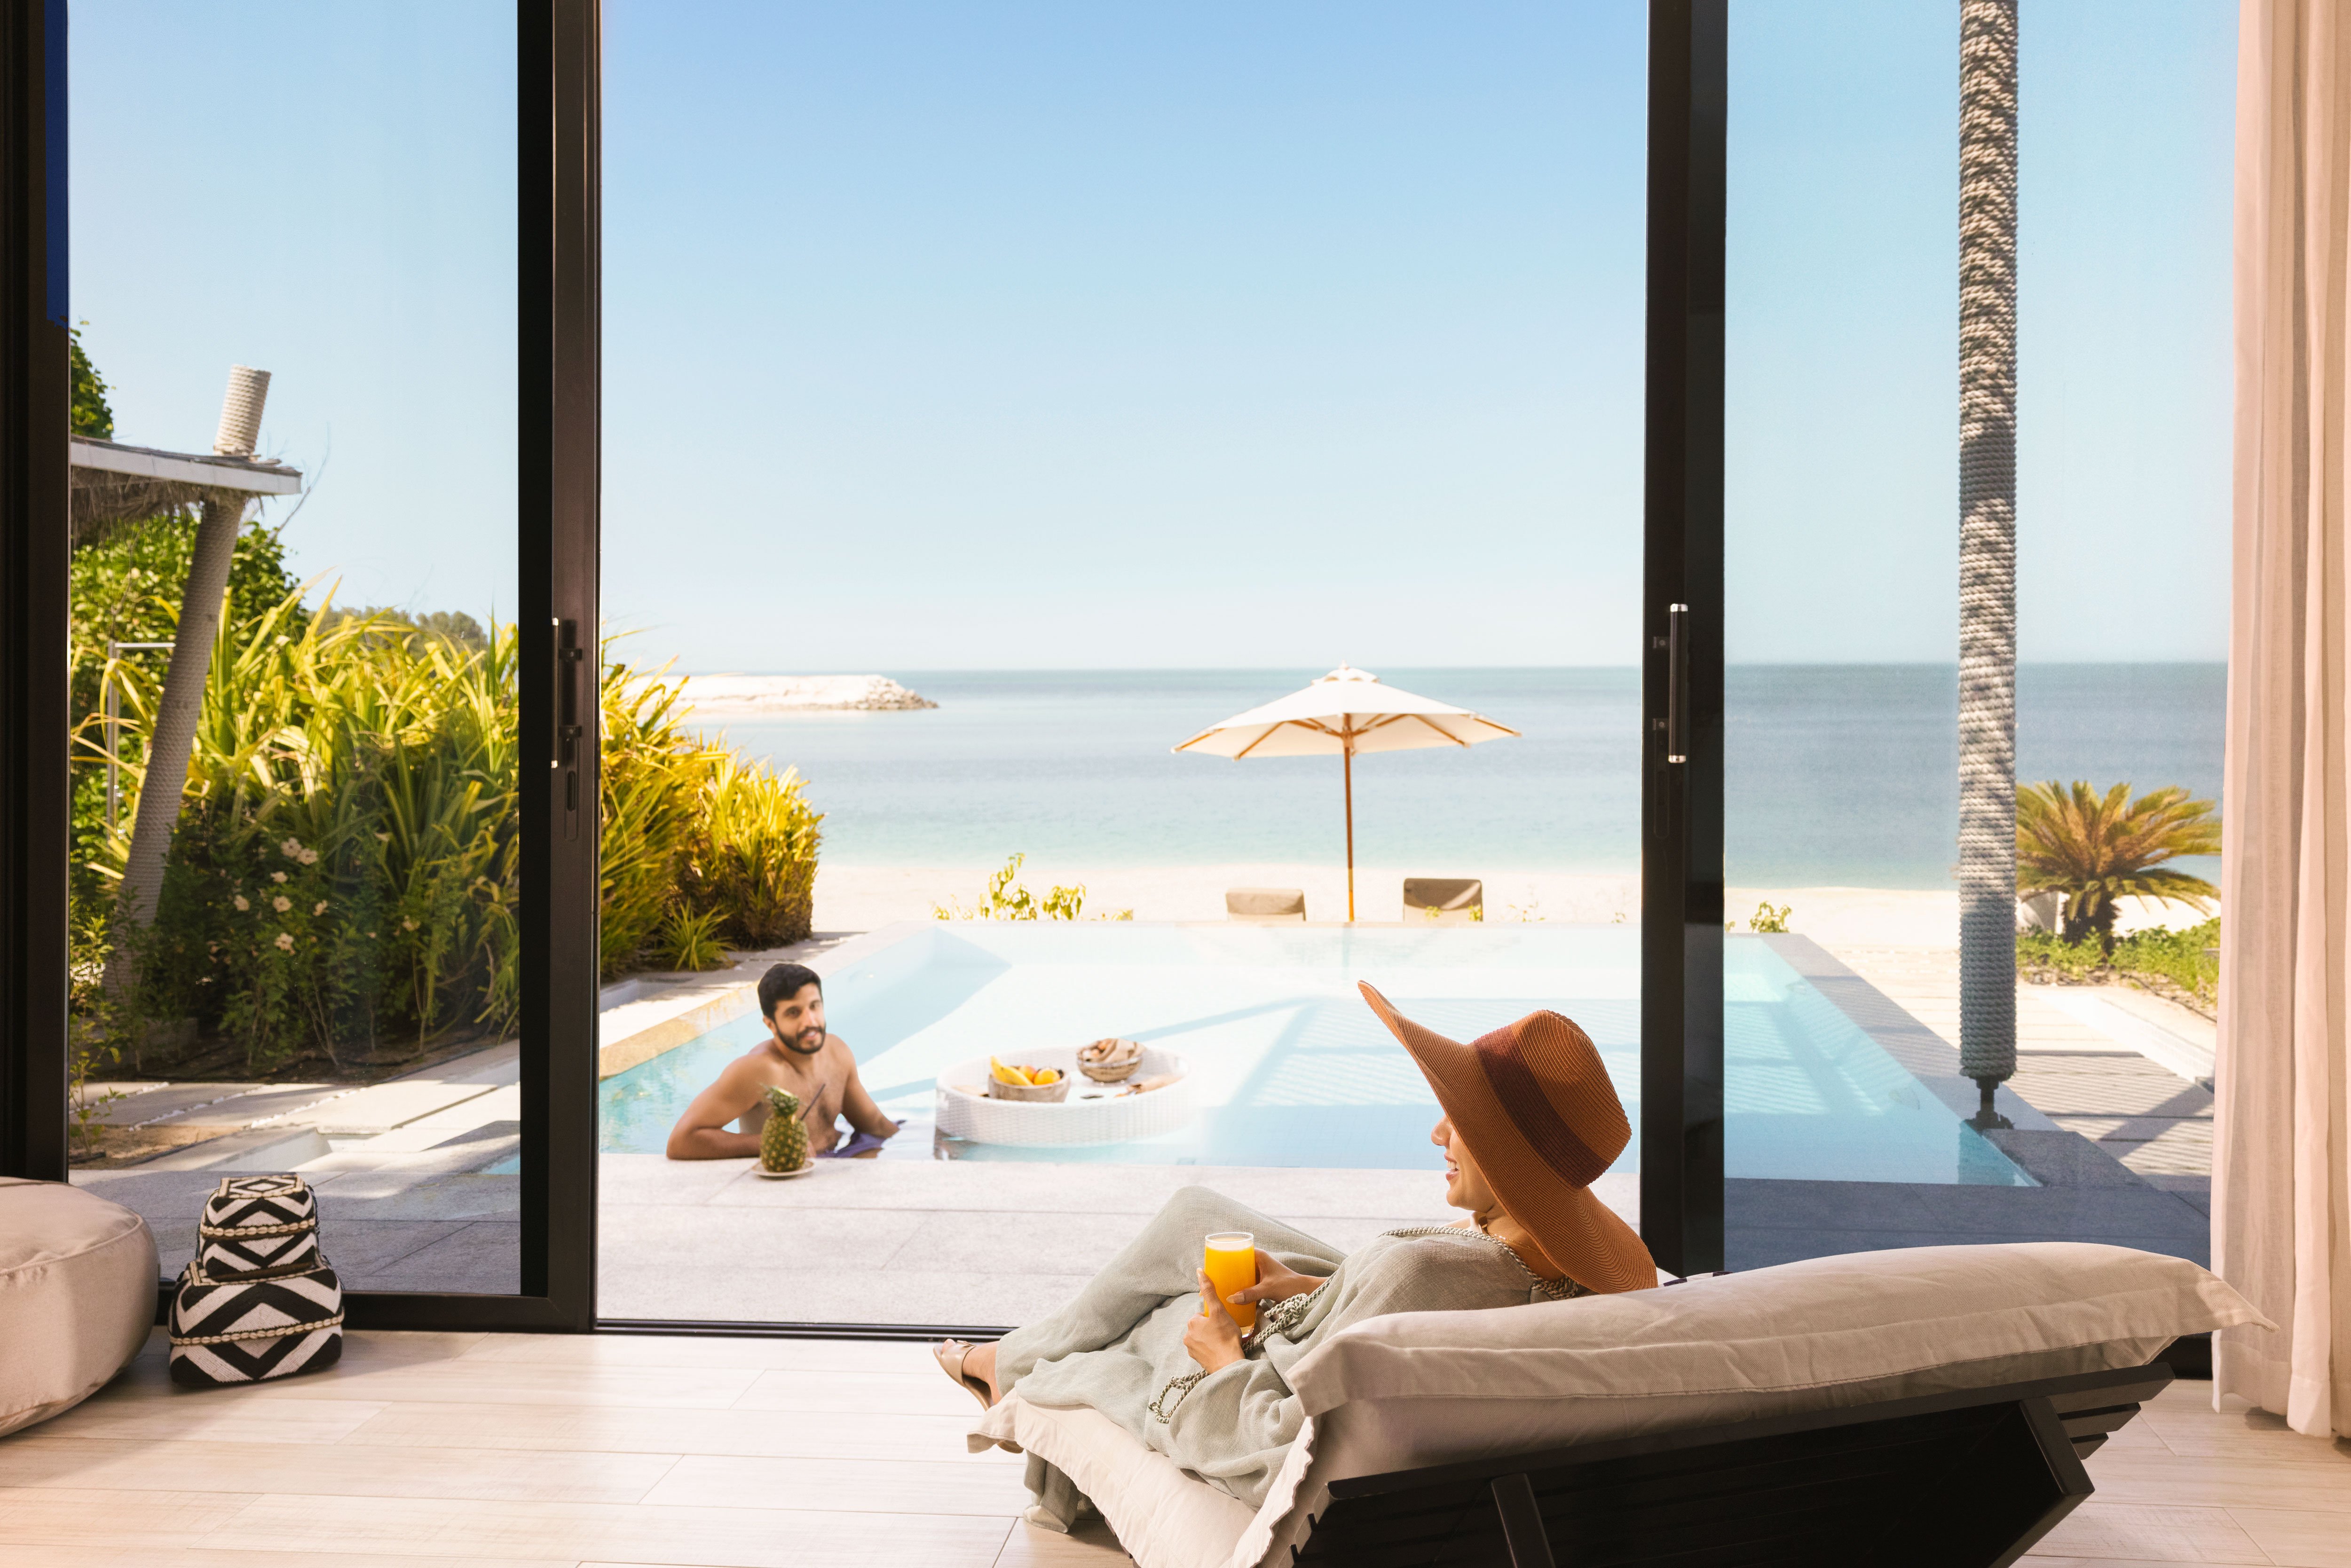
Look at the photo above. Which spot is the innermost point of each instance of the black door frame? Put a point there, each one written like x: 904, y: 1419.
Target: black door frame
x: 1681, y: 666
x: 559, y: 64
x: 557, y: 45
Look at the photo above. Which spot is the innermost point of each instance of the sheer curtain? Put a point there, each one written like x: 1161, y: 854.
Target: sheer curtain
x: 2282, y: 1178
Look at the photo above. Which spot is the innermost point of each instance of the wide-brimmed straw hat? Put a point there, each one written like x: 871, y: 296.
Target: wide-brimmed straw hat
x: 1533, y: 1102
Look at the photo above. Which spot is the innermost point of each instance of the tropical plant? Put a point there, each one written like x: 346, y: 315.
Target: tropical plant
x: 1770, y: 921
x: 753, y: 861
x: 653, y: 769
x: 1008, y: 899
x: 691, y: 941
x: 2097, y: 849
x: 345, y: 872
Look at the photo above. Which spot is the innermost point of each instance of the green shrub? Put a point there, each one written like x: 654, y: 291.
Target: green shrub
x: 2175, y: 958
x: 753, y: 863
x: 346, y: 878
x: 1007, y: 899
x: 691, y: 941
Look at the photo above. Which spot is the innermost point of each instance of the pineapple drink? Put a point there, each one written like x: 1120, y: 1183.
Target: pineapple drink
x: 783, y: 1141
x: 1231, y: 1265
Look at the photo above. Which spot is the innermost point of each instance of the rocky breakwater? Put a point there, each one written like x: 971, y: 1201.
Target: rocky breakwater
x: 716, y: 697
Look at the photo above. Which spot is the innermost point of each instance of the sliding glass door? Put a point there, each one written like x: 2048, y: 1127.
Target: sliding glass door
x: 315, y: 805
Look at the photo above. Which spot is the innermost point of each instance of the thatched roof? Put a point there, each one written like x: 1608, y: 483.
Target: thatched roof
x: 113, y: 483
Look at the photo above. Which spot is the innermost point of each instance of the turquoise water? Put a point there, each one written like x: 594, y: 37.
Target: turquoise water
x: 1290, y: 1069
x: 1834, y: 775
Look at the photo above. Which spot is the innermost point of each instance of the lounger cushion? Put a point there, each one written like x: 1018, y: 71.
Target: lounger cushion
x: 78, y: 1281
x: 1427, y: 1388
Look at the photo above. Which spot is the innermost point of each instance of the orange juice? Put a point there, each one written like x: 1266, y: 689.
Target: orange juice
x: 1231, y: 1265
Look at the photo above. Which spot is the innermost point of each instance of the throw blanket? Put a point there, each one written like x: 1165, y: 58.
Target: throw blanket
x: 1119, y: 1346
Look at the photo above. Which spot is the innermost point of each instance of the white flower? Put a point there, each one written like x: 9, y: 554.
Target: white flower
x: 285, y: 942
x: 408, y: 926
x: 291, y: 849
x: 383, y: 838
x: 278, y: 877
x: 319, y: 907
x: 309, y: 857
x: 243, y: 901
x: 281, y: 904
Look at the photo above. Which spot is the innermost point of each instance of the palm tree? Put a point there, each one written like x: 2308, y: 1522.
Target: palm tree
x: 1988, y: 543
x: 2096, y: 850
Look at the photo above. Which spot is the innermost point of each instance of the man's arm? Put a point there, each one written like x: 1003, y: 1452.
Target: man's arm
x: 701, y: 1132
x: 859, y: 1106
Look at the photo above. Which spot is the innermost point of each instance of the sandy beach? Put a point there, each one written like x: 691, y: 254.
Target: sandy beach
x: 861, y: 898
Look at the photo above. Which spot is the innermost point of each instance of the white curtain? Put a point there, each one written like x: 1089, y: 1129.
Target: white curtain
x: 2281, y: 1180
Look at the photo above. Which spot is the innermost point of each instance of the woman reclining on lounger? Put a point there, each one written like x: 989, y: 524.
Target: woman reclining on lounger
x: 1530, y: 1119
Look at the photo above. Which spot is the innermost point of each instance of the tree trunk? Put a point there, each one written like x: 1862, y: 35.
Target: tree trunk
x: 173, y: 738
x: 1988, y: 48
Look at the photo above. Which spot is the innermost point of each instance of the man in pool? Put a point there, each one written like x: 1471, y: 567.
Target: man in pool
x: 798, y: 1055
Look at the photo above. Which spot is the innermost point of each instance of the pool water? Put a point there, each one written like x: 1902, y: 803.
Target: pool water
x: 1290, y: 1069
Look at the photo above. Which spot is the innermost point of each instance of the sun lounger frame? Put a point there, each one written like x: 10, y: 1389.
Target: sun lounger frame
x: 1968, y: 1480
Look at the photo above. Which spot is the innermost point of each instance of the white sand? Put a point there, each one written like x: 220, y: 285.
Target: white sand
x: 861, y: 898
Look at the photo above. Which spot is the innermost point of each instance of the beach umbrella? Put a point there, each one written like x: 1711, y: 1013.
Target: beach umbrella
x: 1346, y: 711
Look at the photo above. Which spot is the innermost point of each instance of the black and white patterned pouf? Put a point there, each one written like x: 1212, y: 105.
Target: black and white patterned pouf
x: 257, y: 1227
x: 258, y: 1300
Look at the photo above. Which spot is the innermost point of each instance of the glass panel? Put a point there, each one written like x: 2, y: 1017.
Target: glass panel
x: 304, y: 960
x: 1096, y: 376
x: 1843, y: 740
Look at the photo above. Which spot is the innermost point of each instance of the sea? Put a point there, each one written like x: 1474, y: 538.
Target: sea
x: 1842, y: 775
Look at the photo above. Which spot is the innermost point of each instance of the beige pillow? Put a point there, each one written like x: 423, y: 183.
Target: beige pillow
x: 1429, y: 1389
x: 76, y: 1296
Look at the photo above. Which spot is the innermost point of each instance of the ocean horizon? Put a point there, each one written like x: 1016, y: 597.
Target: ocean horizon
x: 1834, y: 774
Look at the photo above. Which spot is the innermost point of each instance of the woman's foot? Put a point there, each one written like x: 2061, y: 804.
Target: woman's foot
x: 973, y: 1365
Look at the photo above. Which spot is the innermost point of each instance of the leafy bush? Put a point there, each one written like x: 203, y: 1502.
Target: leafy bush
x: 345, y: 873
x: 691, y: 941
x: 346, y: 878
x: 1007, y: 900
x: 2185, y: 959
x: 753, y: 863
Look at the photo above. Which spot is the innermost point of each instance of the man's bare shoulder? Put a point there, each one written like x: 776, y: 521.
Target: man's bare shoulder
x: 838, y: 1056
x: 747, y: 1072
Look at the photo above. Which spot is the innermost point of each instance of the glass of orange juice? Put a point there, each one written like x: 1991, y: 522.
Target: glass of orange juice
x: 1231, y: 1265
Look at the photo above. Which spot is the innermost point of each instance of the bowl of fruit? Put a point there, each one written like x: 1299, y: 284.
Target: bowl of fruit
x: 1008, y: 1081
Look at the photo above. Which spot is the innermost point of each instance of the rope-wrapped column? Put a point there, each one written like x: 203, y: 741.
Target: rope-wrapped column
x: 1988, y: 541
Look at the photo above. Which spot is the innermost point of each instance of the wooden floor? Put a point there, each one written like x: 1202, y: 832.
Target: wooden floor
x: 523, y: 1451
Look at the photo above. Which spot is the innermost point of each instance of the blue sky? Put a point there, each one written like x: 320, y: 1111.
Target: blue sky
x: 1024, y: 335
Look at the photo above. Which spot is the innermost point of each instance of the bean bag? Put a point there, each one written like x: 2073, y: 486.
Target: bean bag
x: 78, y: 1283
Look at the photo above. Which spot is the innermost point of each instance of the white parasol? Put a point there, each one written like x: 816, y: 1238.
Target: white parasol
x: 1346, y: 711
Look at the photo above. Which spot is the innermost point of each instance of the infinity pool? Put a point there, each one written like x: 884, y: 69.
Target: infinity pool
x: 1290, y: 1069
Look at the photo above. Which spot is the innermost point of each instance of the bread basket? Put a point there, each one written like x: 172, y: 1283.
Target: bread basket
x: 1110, y: 1061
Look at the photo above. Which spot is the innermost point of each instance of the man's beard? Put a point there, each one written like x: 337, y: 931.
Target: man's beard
x: 792, y: 1043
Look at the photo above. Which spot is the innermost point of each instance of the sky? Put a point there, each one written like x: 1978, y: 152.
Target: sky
x: 1026, y: 335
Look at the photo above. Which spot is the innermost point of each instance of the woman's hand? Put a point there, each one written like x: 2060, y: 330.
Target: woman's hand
x: 1212, y: 1337
x: 1274, y: 1283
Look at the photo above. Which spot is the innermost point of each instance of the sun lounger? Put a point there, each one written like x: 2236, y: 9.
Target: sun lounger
x: 1922, y: 1406
x: 1265, y: 904
x: 1443, y: 899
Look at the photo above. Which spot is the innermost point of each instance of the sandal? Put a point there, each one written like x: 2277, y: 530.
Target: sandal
x: 949, y: 1354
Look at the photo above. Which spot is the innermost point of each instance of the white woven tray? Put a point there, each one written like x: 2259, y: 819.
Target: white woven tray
x: 1077, y: 1120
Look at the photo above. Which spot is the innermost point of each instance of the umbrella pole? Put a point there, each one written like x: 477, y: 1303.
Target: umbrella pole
x: 1347, y: 771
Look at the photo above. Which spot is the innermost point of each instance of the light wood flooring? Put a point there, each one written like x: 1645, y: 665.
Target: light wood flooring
x: 531, y: 1451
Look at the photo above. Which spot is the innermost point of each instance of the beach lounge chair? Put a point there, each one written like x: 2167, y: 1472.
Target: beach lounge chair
x: 1447, y: 899
x: 1265, y: 906
x: 1921, y: 1406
